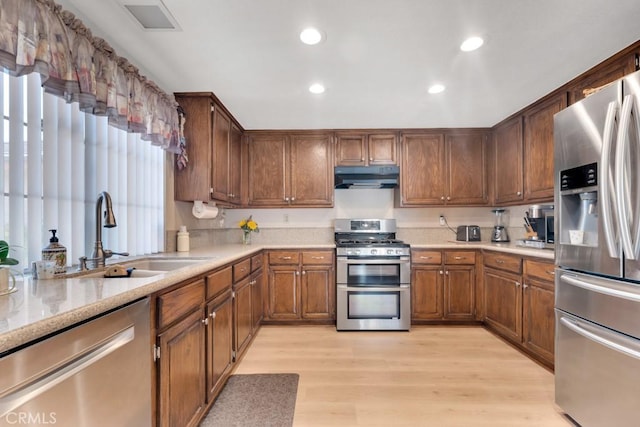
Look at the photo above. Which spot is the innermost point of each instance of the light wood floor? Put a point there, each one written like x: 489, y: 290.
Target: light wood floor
x: 431, y: 376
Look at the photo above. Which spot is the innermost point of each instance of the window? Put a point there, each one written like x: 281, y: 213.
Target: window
x: 56, y: 161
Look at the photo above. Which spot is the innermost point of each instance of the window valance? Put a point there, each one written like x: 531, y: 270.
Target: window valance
x: 39, y: 36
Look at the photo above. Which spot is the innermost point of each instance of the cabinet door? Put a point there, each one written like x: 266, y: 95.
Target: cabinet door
x: 426, y: 293
x: 242, y: 315
x: 220, y: 172
x: 503, y: 303
x: 507, y: 161
x: 459, y: 292
x: 603, y: 74
x: 194, y: 182
x: 257, y: 285
x: 267, y: 172
x: 317, y: 292
x: 283, y: 288
x: 423, y: 169
x: 351, y: 149
x: 382, y: 149
x: 219, y: 342
x: 538, y: 148
x: 181, y: 375
x: 311, y: 170
x: 235, y: 165
x: 538, y: 318
x: 466, y: 174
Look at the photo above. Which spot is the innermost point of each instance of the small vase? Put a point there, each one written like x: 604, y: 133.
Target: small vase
x: 246, y: 237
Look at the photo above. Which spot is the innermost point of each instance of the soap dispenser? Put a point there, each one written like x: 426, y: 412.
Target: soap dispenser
x: 56, y: 252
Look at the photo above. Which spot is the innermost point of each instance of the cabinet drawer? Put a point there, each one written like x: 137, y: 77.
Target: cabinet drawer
x: 179, y: 302
x: 426, y: 257
x: 284, y: 257
x: 241, y: 270
x: 256, y: 262
x: 317, y: 257
x: 219, y: 281
x: 540, y: 269
x: 459, y: 257
x: 503, y: 261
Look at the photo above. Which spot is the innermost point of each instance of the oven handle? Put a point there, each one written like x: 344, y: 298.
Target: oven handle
x: 401, y: 288
x: 401, y: 260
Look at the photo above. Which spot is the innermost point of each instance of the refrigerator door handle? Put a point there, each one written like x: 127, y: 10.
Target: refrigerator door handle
x: 607, y: 180
x: 601, y: 289
x: 623, y: 186
x: 619, y: 344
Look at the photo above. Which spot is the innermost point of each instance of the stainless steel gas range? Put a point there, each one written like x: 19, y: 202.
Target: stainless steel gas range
x: 373, y: 271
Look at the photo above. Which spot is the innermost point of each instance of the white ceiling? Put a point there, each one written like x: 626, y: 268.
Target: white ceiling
x: 378, y: 59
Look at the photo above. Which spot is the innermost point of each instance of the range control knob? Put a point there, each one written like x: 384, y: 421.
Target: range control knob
x: 374, y: 251
x: 390, y: 251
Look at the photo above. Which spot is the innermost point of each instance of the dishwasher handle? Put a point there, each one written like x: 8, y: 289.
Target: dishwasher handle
x: 39, y: 385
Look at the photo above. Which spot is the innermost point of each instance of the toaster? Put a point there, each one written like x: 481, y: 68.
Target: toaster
x: 468, y: 233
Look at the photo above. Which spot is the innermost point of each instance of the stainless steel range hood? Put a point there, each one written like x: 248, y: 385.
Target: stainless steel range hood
x: 361, y: 177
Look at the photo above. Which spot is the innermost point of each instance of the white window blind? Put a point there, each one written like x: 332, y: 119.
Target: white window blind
x: 57, y: 160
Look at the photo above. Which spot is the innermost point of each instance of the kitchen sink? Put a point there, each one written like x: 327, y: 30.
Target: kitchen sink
x: 162, y: 264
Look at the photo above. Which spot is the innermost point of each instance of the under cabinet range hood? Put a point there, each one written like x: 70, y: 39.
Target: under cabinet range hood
x: 360, y: 177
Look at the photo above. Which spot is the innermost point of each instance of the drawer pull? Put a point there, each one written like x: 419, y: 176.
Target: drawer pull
x: 285, y: 257
x: 426, y: 257
x: 553, y: 273
x: 205, y: 321
x: 458, y: 257
x: 212, y: 314
x: 499, y: 261
x: 317, y: 257
x: 517, y: 284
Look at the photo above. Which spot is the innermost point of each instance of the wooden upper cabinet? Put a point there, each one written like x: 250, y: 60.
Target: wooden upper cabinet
x: 466, y: 168
x: 213, y: 147
x: 194, y: 181
x: 444, y: 168
x: 612, y: 69
x: 538, y: 148
x: 311, y: 170
x: 507, y: 161
x: 267, y: 167
x: 423, y: 169
x: 293, y: 169
x: 363, y: 149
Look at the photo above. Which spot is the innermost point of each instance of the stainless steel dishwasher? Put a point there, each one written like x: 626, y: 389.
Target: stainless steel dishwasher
x: 95, y: 374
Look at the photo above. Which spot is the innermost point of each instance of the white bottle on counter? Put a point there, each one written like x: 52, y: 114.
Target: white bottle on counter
x: 183, y: 239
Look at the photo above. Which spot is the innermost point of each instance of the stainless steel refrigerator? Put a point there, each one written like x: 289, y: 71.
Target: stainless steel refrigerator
x: 597, y: 199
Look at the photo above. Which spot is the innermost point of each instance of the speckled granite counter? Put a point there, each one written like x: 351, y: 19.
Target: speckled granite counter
x: 42, y: 307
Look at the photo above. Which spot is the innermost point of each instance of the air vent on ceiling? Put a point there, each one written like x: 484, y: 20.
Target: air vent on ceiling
x: 151, y: 15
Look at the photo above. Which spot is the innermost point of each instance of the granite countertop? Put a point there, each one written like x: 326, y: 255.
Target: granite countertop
x: 41, y: 307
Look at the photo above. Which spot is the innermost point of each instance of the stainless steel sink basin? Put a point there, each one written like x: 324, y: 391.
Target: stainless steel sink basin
x: 163, y: 264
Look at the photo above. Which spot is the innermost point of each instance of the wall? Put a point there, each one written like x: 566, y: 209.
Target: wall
x: 315, y: 225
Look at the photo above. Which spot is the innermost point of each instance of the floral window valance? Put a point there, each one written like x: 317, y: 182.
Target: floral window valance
x: 38, y: 36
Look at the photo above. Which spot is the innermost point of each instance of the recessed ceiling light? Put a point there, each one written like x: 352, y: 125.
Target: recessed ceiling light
x: 316, y: 88
x: 310, y: 36
x: 472, y: 43
x: 437, y: 88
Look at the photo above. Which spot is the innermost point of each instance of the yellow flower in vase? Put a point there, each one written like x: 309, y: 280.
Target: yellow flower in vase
x: 247, y: 226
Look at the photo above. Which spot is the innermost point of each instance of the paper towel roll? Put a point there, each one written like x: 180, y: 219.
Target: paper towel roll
x: 202, y: 211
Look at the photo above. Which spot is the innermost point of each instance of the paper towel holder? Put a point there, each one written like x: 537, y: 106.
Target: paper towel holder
x: 203, y: 209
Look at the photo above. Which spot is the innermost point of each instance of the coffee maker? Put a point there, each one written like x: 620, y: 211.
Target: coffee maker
x: 499, y: 233
x: 536, y: 217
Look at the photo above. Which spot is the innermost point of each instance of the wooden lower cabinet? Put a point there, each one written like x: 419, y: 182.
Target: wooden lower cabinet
x: 219, y: 343
x: 181, y: 349
x: 520, y: 305
x: 443, y: 285
x: 300, y: 286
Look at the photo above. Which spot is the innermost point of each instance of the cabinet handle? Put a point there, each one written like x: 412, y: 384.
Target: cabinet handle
x: 551, y: 272
x: 519, y: 193
x: 525, y: 286
x: 458, y: 258
x: 441, y: 272
x: 212, y: 314
x: 317, y: 257
x: 499, y: 261
x: 297, y: 273
x: 446, y: 272
x: 205, y: 321
x: 304, y: 272
x: 285, y: 257
x: 425, y: 257
x: 286, y: 199
x: 517, y: 284
x: 293, y: 199
x: 362, y: 159
x: 442, y: 198
x: 448, y: 198
x: 371, y: 159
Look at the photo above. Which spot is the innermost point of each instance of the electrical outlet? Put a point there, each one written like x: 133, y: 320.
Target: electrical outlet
x: 442, y: 221
x: 285, y: 217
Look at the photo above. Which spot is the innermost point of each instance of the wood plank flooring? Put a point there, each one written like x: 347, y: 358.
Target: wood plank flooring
x: 431, y: 376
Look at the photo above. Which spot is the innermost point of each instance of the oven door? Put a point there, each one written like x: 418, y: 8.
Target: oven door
x: 373, y: 308
x: 378, y: 271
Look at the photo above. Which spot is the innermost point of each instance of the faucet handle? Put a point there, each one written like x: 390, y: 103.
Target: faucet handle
x: 82, y: 265
x: 109, y: 253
